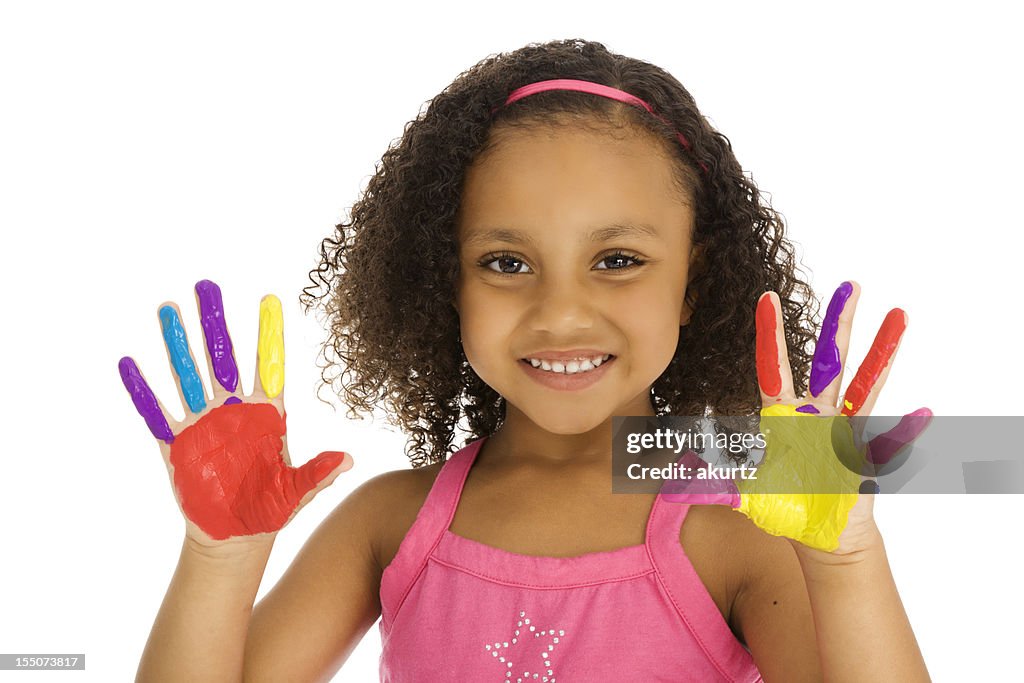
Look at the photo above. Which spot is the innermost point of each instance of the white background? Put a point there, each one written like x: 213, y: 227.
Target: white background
x: 144, y: 147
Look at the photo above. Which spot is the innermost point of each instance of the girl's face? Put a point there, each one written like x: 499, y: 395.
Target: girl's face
x: 571, y: 239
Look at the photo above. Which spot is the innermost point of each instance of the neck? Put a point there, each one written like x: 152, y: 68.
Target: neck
x: 523, y: 440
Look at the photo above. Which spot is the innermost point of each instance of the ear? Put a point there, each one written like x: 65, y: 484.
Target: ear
x: 696, y: 267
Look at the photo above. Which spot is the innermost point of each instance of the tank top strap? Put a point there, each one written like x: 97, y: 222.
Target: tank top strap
x: 687, y: 592
x: 432, y: 520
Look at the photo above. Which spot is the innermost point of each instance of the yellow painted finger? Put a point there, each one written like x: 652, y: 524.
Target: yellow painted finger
x: 271, y: 346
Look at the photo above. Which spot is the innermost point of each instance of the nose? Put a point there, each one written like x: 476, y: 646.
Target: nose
x: 562, y: 306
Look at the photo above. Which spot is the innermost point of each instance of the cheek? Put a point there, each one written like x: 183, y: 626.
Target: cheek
x: 654, y: 300
x: 484, y: 329
x: 655, y: 326
x: 653, y: 323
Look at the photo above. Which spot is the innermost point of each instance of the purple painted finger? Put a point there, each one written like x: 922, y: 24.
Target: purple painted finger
x: 827, y: 365
x: 215, y: 330
x: 883, y: 447
x: 144, y: 399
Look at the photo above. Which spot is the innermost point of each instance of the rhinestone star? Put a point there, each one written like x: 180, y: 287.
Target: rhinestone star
x: 528, y: 659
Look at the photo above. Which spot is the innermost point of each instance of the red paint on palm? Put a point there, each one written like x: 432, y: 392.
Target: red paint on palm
x: 231, y: 477
x: 768, y: 375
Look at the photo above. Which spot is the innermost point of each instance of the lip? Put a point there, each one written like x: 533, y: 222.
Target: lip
x: 561, y: 382
x: 571, y: 354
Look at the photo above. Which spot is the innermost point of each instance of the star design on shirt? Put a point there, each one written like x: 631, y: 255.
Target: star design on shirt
x: 532, y: 648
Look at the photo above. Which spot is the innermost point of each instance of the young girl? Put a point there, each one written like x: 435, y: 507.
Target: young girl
x: 561, y: 238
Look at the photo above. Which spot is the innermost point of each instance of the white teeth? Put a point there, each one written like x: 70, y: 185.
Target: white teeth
x: 569, y: 367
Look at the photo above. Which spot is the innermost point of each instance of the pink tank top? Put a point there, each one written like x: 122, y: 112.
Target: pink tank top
x: 456, y: 609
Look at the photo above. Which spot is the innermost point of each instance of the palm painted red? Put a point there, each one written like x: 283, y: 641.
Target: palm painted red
x: 231, y: 473
x: 228, y: 459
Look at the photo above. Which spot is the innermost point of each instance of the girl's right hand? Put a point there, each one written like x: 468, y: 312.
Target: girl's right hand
x: 228, y: 459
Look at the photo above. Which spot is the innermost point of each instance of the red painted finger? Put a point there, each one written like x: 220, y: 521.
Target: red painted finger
x: 878, y: 357
x: 767, y: 349
x: 308, y: 476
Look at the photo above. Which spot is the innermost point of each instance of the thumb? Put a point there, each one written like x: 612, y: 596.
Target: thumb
x: 308, y: 476
x: 884, y: 447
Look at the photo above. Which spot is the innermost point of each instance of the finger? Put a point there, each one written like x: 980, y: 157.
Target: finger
x: 774, y: 376
x: 888, y: 445
x: 833, y: 343
x: 190, y: 386
x: 310, y: 475
x: 145, y: 400
x: 270, y: 348
x: 863, y: 391
x: 220, y: 353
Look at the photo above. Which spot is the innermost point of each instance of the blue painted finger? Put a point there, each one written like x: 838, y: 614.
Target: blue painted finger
x: 181, y: 359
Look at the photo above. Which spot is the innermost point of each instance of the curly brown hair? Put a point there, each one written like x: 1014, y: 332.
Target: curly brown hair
x: 385, y: 281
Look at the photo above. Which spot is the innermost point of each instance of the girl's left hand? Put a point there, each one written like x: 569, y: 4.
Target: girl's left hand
x: 837, y: 523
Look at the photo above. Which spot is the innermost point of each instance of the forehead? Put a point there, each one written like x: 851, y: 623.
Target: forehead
x: 573, y: 179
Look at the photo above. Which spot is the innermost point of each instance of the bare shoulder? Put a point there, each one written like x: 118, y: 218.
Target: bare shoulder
x: 402, y: 493
x: 329, y: 597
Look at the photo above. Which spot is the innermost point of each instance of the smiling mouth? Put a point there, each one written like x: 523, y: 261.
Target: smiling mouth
x: 568, y: 368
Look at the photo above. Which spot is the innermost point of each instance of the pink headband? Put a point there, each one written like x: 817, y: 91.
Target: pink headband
x: 593, y: 88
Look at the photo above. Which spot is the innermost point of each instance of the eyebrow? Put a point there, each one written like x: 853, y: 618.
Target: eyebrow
x: 602, y: 234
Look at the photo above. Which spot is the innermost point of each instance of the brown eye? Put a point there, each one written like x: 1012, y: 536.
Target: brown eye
x: 627, y: 261
x: 507, y: 264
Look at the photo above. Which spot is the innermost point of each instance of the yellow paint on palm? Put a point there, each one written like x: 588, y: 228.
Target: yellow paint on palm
x: 801, y: 455
x: 271, y: 346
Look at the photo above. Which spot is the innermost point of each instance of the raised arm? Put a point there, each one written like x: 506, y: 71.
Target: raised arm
x: 306, y: 627
x: 234, y: 483
x: 862, y: 632
x: 825, y: 607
